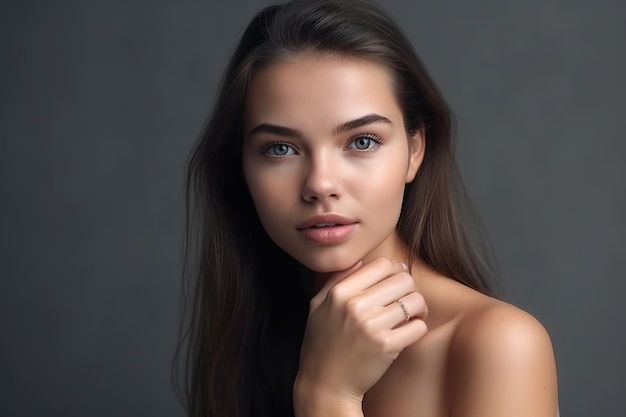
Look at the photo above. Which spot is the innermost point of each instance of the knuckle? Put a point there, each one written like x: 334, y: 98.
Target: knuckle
x: 368, y: 329
x: 383, y: 262
x: 421, y: 309
x: 421, y: 305
x: 385, y: 346
x: 337, y: 295
x: 421, y: 328
x: 407, y: 280
x: 355, y: 307
x: 419, y: 299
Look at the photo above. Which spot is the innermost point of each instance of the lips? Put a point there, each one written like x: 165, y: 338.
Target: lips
x: 324, y: 220
x: 327, y: 229
x: 324, y: 225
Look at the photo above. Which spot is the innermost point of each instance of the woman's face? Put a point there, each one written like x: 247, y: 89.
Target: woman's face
x: 326, y: 157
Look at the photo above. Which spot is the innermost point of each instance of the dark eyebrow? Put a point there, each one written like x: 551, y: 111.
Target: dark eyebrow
x: 361, y: 121
x: 295, y: 133
x: 276, y: 130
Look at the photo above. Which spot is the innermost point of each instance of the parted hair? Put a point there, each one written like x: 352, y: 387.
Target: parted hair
x: 240, y: 335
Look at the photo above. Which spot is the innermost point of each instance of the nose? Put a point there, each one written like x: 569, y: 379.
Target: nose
x: 321, y: 179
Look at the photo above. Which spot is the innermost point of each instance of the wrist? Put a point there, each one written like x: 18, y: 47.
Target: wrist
x: 314, y: 400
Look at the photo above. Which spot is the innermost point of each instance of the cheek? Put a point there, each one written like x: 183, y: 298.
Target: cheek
x: 380, y: 199
x: 272, y: 195
x: 385, y: 187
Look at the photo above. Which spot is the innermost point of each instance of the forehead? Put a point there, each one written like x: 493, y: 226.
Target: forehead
x: 319, y: 92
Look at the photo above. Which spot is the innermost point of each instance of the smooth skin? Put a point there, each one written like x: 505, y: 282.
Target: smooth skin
x: 325, y: 135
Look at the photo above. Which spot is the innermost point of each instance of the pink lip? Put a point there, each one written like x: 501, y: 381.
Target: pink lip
x: 324, y: 218
x: 337, y: 232
x: 329, y: 235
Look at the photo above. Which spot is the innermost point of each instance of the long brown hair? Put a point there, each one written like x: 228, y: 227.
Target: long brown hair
x: 240, y: 339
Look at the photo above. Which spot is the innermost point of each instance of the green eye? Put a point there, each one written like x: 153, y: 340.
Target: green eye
x: 279, y: 149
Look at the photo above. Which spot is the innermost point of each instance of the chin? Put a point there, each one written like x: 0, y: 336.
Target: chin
x: 328, y: 264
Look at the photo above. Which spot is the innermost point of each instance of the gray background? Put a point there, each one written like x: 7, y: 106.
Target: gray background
x: 101, y: 101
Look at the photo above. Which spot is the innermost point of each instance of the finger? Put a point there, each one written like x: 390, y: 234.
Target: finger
x: 338, y: 276
x: 388, y: 290
x: 415, y: 304
x: 333, y: 280
x: 372, y: 273
x: 395, y: 314
x: 409, y: 333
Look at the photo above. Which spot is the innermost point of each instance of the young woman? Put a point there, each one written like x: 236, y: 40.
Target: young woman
x: 334, y: 266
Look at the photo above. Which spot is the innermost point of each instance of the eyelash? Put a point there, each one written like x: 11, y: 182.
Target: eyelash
x: 266, y: 149
x: 375, y: 138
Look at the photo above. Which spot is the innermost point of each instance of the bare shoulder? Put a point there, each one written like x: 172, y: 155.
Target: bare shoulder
x: 502, y: 363
x: 501, y: 329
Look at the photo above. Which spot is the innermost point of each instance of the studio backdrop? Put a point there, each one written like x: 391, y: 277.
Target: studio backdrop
x: 102, y: 100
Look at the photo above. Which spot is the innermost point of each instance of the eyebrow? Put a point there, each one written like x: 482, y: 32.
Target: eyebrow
x: 344, y: 127
x: 361, y: 121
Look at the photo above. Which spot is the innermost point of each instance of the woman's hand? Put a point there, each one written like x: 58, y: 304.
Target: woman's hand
x: 356, y: 329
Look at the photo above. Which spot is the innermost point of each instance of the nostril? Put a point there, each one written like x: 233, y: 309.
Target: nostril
x: 321, y: 181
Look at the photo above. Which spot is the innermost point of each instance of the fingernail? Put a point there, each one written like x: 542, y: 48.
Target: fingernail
x: 406, y: 268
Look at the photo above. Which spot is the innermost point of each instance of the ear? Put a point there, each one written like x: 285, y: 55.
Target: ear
x: 417, y: 148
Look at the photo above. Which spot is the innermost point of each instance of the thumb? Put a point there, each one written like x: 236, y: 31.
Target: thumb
x: 333, y: 279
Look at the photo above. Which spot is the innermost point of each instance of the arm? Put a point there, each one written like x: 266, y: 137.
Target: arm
x: 502, y: 365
